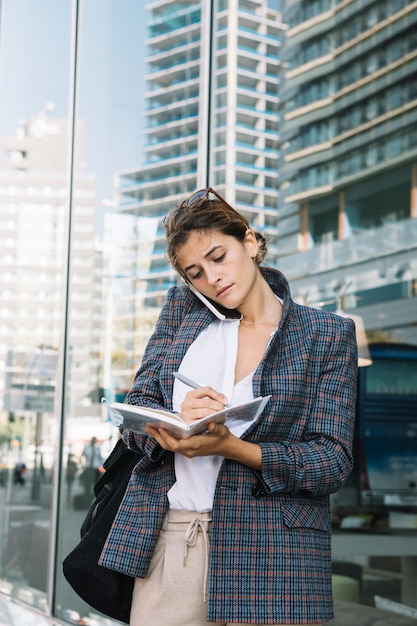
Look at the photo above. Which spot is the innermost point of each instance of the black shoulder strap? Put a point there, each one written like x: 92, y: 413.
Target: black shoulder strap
x: 120, y: 459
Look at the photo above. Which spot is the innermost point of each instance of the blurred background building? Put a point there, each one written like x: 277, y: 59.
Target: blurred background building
x: 348, y: 169
x: 34, y: 189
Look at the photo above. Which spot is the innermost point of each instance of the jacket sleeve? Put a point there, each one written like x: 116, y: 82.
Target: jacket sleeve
x: 146, y: 389
x: 321, y: 462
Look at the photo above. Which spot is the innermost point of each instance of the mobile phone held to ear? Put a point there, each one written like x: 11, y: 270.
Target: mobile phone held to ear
x: 219, y: 311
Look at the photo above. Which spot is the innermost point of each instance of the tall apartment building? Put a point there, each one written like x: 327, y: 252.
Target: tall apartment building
x: 212, y: 120
x: 348, y: 172
x: 33, y: 241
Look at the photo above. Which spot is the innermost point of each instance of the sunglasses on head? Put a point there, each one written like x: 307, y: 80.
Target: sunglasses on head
x: 193, y: 202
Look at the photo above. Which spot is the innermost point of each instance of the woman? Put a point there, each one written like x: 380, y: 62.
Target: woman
x: 233, y: 526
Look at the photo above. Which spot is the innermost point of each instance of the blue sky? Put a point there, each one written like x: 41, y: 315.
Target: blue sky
x: 35, y: 48
x: 35, y: 56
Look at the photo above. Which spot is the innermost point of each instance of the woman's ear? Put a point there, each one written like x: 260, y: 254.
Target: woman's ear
x: 251, y: 243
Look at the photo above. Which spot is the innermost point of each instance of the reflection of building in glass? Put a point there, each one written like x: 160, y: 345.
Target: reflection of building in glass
x: 34, y: 238
x: 212, y: 119
x: 31, y: 381
x: 348, y: 176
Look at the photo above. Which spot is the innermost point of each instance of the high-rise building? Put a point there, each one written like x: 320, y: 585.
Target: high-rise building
x: 212, y: 120
x: 348, y: 170
x: 33, y: 233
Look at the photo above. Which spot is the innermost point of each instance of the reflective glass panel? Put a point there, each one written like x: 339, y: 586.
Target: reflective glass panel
x: 34, y: 71
x: 108, y: 137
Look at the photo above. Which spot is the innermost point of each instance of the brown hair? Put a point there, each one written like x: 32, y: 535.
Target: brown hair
x: 210, y: 215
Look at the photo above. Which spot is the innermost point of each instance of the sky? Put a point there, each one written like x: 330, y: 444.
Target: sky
x: 34, y: 59
x: 35, y: 45
x: 35, y: 49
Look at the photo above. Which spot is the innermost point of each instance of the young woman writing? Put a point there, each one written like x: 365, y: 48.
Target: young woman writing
x: 233, y: 526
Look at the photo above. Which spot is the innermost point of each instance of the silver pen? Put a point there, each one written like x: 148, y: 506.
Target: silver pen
x: 191, y: 383
x: 186, y: 381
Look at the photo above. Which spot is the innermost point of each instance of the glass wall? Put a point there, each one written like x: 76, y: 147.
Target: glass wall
x: 34, y: 199
x: 71, y: 117
x: 107, y: 138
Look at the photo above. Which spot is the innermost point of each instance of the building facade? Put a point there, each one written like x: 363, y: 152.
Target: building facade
x: 33, y: 198
x: 348, y: 169
x: 211, y: 120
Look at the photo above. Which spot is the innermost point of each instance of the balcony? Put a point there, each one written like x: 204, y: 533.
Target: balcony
x: 367, y: 245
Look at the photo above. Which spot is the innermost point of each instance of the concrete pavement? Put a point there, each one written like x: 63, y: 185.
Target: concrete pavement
x: 347, y: 614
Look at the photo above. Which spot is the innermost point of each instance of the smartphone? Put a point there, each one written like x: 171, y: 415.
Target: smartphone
x: 219, y: 311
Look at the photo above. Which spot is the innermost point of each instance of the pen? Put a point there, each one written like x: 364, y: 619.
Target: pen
x: 190, y: 383
x: 186, y: 381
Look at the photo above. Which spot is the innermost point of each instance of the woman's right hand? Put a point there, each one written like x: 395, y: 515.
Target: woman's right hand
x: 201, y: 402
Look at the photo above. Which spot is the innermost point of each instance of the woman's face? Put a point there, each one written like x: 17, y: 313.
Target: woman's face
x: 220, y: 266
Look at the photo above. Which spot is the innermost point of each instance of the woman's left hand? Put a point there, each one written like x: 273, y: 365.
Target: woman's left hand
x: 217, y: 441
x: 214, y: 442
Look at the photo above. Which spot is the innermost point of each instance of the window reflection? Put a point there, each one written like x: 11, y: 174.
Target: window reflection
x: 107, y: 140
x: 33, y: 148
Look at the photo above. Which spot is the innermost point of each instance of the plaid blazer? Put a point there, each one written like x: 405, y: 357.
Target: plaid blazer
x: 270, y: 557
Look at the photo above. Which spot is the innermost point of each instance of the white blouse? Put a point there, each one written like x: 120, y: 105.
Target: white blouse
x: 210, y: 360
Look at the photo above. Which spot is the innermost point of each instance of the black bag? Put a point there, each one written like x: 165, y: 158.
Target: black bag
x: 104, y: 589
